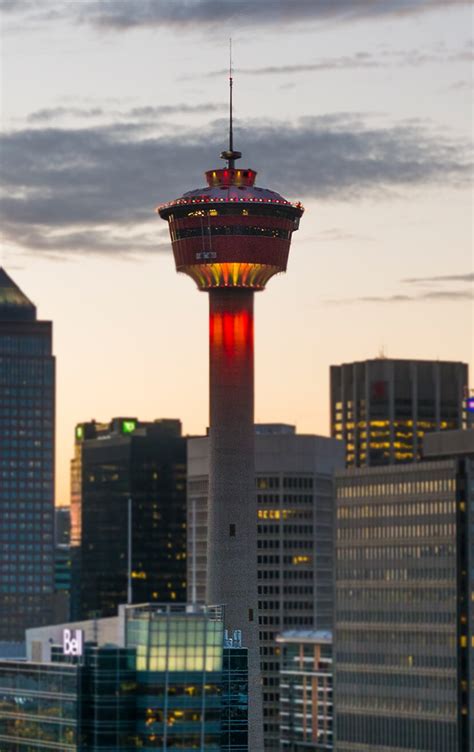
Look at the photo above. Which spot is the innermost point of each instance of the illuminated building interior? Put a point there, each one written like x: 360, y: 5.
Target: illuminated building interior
x: 232, y: 233
x: 382, y: 408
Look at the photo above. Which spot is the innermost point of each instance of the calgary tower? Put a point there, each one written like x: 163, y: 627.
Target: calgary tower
x: 231, y: 237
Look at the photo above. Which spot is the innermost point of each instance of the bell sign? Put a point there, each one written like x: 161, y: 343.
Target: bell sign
x: 73, y: 641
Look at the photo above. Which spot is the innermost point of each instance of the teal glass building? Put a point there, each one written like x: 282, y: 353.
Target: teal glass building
x: 179, y: 661
x: 176, y: 682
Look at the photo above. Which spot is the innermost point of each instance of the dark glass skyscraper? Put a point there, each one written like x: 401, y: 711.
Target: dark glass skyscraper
x: 115, y: 462
x: 26, y: 464
x: 382, y: 407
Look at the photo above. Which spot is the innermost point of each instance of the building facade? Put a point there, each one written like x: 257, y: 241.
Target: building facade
x: 306, y: 705
x: 172, y: 679
x: 27, y: 404
x: 404, y: 603
x: 383, y: 407
x: 294, y: 518
x: 127, y: 475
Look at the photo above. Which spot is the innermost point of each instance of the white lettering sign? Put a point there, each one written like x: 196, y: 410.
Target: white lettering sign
x: 72, y: 641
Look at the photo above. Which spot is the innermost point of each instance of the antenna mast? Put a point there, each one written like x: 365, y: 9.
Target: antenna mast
x: 230, y: 155
x: 231, y: 81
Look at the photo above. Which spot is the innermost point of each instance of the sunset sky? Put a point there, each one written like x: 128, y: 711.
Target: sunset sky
x: 360, y: 109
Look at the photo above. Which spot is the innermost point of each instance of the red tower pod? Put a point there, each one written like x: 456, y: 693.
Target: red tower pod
x: 231, y: 238
x: 232, y: 233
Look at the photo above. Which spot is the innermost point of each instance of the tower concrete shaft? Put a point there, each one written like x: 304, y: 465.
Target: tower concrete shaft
x: 231, y: 237
x: 232, y: 511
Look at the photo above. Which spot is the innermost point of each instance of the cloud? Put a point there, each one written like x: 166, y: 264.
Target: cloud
x: 134, y: 113
x: 449, y: 294
x: 362, y: 59
x: 462, y: 85
x: 128, y: 14
x: 99, y: 241
x: 469, y: 277
x: 56, y: 181
x: 337, y: 235
x: 434, y: 295
x: 123, y: 15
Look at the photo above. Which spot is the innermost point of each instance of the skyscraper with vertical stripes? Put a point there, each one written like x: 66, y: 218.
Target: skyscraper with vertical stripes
x: 27, y: 404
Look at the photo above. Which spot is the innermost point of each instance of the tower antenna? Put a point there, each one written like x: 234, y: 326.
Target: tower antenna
x: 230, y: 155
x: 231, y: 81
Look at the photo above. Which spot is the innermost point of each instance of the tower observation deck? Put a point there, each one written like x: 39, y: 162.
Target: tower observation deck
x: 231, y: 237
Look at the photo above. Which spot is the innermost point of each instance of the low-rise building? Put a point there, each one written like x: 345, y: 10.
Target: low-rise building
x: 305, y: 690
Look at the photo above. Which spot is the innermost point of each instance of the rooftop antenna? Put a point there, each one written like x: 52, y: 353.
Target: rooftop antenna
x: 230, y: 155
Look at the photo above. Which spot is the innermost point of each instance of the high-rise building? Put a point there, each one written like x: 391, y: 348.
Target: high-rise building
x: 157, y: 676
x: 294, y: 561
x: 383, y: 407
x: 128, y: 496
x: 305, y: 690
x: 231, y: 237
x: 27, y: 392
x: 62, y: 526
x: 62, y: 565
x: 404, y: 654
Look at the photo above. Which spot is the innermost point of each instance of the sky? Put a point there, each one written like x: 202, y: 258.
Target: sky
x: 362, y: 110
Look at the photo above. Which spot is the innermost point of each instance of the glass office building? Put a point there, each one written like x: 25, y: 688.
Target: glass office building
x: 144, y: 462
x: 69, y: 706
x: 306, y: 705
x: 404, y: 654
x: 179, y: 668
x: 39, y: 707
x: 27, y: 394
x: 383, y: 407
x: 234, y: 696
x: 175, y: 682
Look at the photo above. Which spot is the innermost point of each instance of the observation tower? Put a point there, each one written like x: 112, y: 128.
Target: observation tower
x: 231, y: 237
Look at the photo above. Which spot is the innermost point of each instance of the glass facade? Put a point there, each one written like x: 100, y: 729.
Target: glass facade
x: 404, y: 601
x: 382, y: 408
x: 305, y: 691
x: 108, y: 696
x: 179, y: 662
x: 39, y: 707
x: 234, y: 702
x: 178, y: 685
x: 114, y: 462
x: 27, y: 393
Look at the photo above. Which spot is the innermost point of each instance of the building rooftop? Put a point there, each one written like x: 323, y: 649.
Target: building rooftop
x: 306, y: 635
x: 446, y: 444
x: 14, y: 305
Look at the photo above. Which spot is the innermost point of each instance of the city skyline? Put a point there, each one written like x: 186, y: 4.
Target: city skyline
x: 378, y: 156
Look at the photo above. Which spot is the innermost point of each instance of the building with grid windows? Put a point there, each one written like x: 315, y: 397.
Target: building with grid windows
x: 69, y: 705
x: 294, y: 518
x: 181, y: 649
x: 157, y: 676
x: 115, y: 463
x: 404, y: 602
x: 27, y: 394
x: 305, y: 690
x: 383, y: 407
